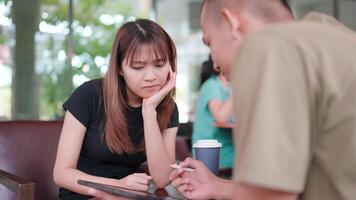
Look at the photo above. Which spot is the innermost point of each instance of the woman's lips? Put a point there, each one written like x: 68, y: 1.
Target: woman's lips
x: 151, y: 87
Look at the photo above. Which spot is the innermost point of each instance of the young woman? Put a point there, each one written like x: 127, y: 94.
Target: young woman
x: 114, y: 124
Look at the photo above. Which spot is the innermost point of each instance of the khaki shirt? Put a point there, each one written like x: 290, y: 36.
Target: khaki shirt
x: 295, y: 92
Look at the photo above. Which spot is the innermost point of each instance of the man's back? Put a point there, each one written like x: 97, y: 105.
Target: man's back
x: 296, y: 104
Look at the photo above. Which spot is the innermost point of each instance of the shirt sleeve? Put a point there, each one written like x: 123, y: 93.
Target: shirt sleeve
x: 210, y: 90
x: 272, y: 105
x: 174, y: 121
x: 81, y: 103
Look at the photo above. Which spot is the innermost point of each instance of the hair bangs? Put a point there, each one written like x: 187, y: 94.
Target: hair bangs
x: 160, y: 50
x: 155, y: 46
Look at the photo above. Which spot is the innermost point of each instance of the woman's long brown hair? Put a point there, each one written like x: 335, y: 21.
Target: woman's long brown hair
x: 128, y: 41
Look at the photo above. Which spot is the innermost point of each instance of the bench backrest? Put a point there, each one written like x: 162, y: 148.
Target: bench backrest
x: 28, y: 149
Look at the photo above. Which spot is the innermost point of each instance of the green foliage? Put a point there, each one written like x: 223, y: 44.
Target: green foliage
x: 49, y: 2
x: 3, y: 37
x: 86, y: 14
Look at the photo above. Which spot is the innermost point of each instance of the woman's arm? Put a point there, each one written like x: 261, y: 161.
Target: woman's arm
x: 160, y: 148
x: 65, y: 173
x: 221, y: 110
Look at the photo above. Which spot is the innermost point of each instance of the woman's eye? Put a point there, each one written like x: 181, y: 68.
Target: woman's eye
x: 159, y: 64
x: 137, y: 67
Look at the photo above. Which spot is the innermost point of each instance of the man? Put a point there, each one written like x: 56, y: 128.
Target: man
x: 295, y: 92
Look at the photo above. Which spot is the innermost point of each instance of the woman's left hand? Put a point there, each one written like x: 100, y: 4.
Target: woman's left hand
x: 153, y: 101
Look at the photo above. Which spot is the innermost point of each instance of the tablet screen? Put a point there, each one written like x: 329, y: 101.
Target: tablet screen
x: 125, y: 192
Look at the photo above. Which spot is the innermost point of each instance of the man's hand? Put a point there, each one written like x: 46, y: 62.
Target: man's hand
x: 198, y: 184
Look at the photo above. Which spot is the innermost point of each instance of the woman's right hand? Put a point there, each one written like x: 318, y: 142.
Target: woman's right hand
x: 136, y: 181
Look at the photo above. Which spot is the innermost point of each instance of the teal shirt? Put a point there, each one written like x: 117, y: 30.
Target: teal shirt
x: 203, y: 128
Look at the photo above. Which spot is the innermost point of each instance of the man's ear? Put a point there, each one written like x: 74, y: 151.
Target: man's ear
x: 233, y: 22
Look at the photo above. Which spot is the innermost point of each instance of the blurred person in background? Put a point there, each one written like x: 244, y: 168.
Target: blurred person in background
x: 214, y: 107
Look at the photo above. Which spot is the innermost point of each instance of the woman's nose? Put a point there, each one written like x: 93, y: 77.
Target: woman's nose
x: 149, y: 74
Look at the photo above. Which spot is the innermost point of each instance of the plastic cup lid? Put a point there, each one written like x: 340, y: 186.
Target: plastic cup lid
x: 207, y: 144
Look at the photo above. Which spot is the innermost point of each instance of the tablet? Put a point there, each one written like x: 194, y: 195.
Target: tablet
x: 125, y: 192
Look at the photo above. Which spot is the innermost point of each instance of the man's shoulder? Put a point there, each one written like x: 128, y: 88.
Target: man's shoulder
x: 313, y: 25
x: 279, y: 32
x: 309, y: 31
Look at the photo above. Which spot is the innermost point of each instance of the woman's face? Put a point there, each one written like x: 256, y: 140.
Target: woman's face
x: 145, y: 76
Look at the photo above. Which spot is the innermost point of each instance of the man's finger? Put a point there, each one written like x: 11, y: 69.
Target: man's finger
x: 177, y: 182
x: 180, y: 181
x: 175, y: 173
x: 186, y: 163
x: 184, y: 189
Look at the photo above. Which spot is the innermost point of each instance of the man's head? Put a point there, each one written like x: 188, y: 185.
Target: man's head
x: 226, y: 22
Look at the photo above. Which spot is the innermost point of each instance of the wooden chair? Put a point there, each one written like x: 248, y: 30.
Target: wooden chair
x: 27, y: 151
